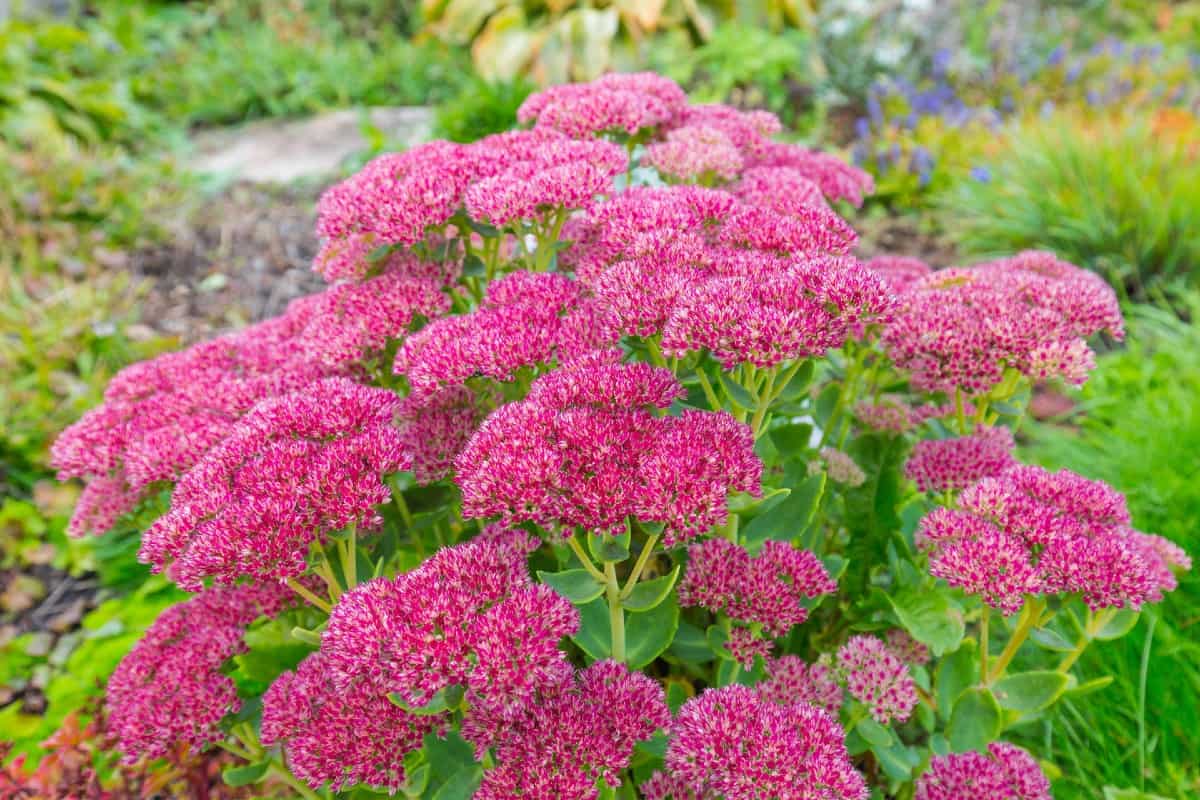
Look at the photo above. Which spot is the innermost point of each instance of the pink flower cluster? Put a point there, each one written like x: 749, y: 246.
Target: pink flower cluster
x: 161, y: 416
x: 791, y: 680
x: 906, y: 648
x: 292, y: 469
x: 584, y: 449
x: 572, y: 734
x: 695, y: 153
x: 526, y: 320
x: 614, y: 103
x: 339, y: 736
x: 1029, y: 531
x: 899, y: 272
x: 434, y: 428
x: 840, y: 467
x: 877, y: 678
x: 784, y: 190
x: 769, y: 589
x: 1005, y: 772
x: 730, y: 743
x: 468, y: 616
x: 169, y: 690
x: 961, y: 328
x: 938, y: 465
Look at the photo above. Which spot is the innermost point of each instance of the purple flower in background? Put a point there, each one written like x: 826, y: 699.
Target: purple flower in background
x: 941, y: 62
x: 1074, y: 71
x: 981, y: 174
x: 874, y: 109
x: 862, y: 128
x: 1047, y: 108
x: 1056, y: 56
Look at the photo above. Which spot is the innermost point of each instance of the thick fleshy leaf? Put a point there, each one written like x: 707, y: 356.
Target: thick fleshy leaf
x: 975, y: 722
x: 577, y: 585
x: 1031, y: 691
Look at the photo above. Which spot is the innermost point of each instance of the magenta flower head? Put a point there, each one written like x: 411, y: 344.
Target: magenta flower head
x: 585, y: 449
x: 436, y: 427
x: 748, y: 131
x: 906, y: 648
x: 340, y: 736
x: 938, y: 465
x: 877, y: 678
x: 783, y: 190
x: 1005, y: 772
x: 695, y: 153
x: 531, y: 174
x: 526, y: 320
x: 169, y: 690
x: 769, y: 589
x: 1031, y: 531
x: 962, y: 328
x: 767, y: 319
x: 468, y: 616
x: 889, y: 414
x: 621, y: 103
x: 791, y: 680
x: 394, y: 200
x: 837, y: 179
x: 731, y: 743
x: 571, y: 734
x: 292, y: 469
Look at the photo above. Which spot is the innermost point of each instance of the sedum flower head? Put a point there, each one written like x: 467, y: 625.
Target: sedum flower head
x: 733, y: 744
x: 938, y: 465
x: 571, y: 734
x: 615, y: 103
x: 695, y: 153
x: 585, y: 449
x: 293, y: 468
x: 340, y: 736
x: 877, y: 678
x: 169, y: 690
x: 1005, y: 772
x: 791, y: 680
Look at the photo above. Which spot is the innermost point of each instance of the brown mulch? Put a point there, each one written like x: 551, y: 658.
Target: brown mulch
x: 903, y: 236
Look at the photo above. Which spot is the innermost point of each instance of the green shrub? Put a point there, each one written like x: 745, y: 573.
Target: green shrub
x: 481, y: 108
x: 1138, y: 428
x: 1122, y: 200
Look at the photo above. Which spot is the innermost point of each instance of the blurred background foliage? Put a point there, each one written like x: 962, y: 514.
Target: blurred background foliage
x: 989, y: 126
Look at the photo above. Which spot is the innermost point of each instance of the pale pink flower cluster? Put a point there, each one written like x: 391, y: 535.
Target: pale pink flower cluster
x: 730, y: 743
x: 783, y: 190
x: 585, y: 449
x: 899, y: 272
x: 159, y: 417
x: 1005, y: 772
x: 961, y: 328
x: 695, y: 153
x: 841, y: 468
x: 435, y: 427
x: 769, y: 590
x: 837, y: 179
x: 748, y: 131
x: 789, y: 680
x: 468, y: 616
x: 169, y: 690
x: 340, y: 736
x: 526, y: 320
x: 886, y: 414
x: 877, y: 678
x: 1029, y: 531
x: 294, y: 468
x: 614, y: 103
x: 906, y: 648
x: 939, y: 465
x: 569, y: 736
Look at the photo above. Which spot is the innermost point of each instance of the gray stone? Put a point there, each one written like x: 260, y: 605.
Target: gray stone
x: 282, y: 151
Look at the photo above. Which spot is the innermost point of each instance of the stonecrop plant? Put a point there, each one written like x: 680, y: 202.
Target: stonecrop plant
x: 603, y: 470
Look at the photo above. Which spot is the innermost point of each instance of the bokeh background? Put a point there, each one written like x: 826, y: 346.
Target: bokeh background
x: 159, y: 165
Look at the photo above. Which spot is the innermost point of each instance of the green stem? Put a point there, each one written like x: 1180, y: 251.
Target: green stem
x: 350, y: 559
x: 616, y: 614
x: 584, y: 559
x: 291, y: 780
x: 402, y: 507
x: 304, y: 592
x: 960, y: 411
x: 709, y: 394
x: 1095, y: 623
x: 237, y: 751
x: 764, y: 400
x: 780, y: 385
x: 640, y: 565
x: 656, y: 356
x: 1030, y: 615
x: 1145, y: 670
x: 325, y: 570
x: 983, y: 643
x: 545, y: 250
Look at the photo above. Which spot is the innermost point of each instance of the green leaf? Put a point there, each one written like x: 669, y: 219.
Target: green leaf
x: 691, y: 645
x: 1094, y: 685
x: 308, y: 637
x: 417, y: 780
x: 1051, y: 639
x: 875, y: 734
x: 931, y: 616
x: 461, y: 785
x: 1121, y: 623
x: 975, y: 722
x: 607, y: 547
x: 792, y: 441
x: 648, y: 594
x: 789, y: 519
x: 738, y: 393
x: 799, y: 383
x: 245, y: 775
x: 577, y: 585
x: 473, y: 265
x: 1031, y: 691
x: 954, y: 674
x: 1113, y: 793
x: 717, y: 637
x: 897, y: 761
x: 647, y: 633
x: 446, y: 699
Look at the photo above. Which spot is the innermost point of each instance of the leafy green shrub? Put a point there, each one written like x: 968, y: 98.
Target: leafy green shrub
x: 481, y: 108
x: 1120, y: 199
x: 1138, y: 428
